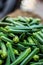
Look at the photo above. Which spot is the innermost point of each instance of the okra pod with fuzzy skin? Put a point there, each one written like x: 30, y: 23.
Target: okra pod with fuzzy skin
x: 4, y: 50
x: 30, y: 56
x: 22, y: 56
x: 12, y: 56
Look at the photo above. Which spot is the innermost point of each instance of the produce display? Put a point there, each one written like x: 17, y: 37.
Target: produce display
x: 21, y: 41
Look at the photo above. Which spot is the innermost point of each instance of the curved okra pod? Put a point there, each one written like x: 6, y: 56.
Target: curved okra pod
x: 12, y: 56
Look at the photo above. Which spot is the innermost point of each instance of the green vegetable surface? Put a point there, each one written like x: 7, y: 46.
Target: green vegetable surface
x: 21, y: 41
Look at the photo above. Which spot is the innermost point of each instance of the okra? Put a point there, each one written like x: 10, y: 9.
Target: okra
x: 4, y: 51
x: 25, y: 43
x: 30, y: 56
x: 35, y: 21
x: 38, y: 63
x: 38, y: 38
x: 36, y: 57
x: 30, y: 40
x: 8, y: 58
x: 5, y: 24
x: 38, y: 44
x: 22, y: 56
x: 16, y: 52
x: 21, y: 19
x: 21, y: 47
x: 29, y: 20
x: 16, y: 39
x: 12, y: 21
x: 12, y: 56
x: 41, y: 34
x: 6, y: 39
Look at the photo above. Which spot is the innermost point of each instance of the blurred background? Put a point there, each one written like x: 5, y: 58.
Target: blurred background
x: 27, y: 8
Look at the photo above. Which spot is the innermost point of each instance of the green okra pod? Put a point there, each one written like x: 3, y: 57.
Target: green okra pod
x: 4, y: 51
x: 12, y: 56
x: 38, y: 63
x: 30, y: 56
x: 22, y: 56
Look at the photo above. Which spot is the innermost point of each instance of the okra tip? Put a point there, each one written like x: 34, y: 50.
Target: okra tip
x: 36, y: 57
x: 16, y: 39
x: 4, y: 55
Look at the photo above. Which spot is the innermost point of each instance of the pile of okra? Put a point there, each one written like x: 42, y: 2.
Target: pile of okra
x: 21, y: 41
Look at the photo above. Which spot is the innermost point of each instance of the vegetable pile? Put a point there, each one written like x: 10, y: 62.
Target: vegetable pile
x: 21, y: 41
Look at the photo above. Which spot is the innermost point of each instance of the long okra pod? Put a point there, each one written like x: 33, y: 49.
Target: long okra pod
x: 12, y: 56
x: 22, y: 56
x: 30, y: 56
x: 4, y: 51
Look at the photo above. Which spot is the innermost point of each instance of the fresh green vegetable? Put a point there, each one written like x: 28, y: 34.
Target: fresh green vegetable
x: 21, y: 41
x: 8, y: 59
x: 6, y: 39
x: 16, y: 39
x: 22, y: 56
x: 36, y: 57
x: 11, y: 51
x: 30, y: 56
x: 38, y: 38
x: 4, y: 51
x: 35, y: 21
x: 16, y: 52
x: 38, y: 63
